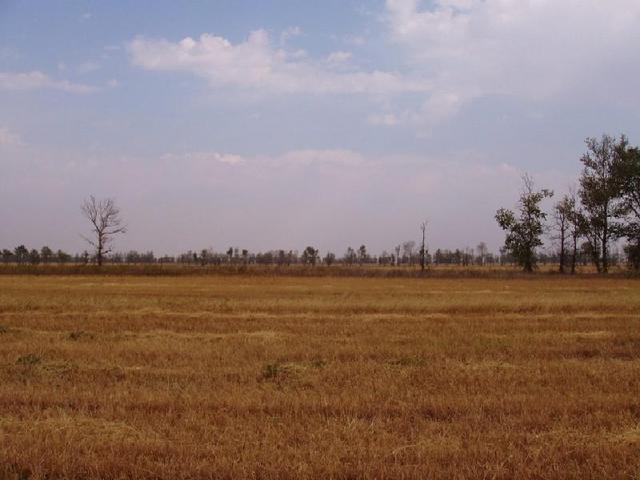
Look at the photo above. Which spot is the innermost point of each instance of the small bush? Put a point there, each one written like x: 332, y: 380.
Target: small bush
x: 318, y: 363
x: 29, y: 360
x: 272, y: 371
x: 80, y: 335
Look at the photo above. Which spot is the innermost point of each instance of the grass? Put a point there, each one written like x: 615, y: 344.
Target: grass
x: 324, y: 377
x: 298, y: 270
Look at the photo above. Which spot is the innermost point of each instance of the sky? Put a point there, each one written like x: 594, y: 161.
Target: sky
x: 279, y: 124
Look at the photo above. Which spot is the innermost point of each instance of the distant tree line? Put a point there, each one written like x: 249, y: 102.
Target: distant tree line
x: 478, y: 256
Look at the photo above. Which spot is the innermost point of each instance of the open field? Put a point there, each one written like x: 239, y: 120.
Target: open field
x: 278, y: 377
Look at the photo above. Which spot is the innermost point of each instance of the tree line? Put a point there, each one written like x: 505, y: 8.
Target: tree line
x: 604, y: 209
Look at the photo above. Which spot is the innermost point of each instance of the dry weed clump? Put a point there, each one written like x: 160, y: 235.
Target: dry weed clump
x: 276, y: 377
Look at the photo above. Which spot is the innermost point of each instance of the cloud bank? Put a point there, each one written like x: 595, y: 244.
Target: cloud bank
x: 256, y: 64
x: 581, y: 50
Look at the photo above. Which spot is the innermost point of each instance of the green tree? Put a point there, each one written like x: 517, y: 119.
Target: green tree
x: 62, y: 257
x: 525, y: 227
x: 309, y: 256
x: 34, y: 257
x: 629, y: 175
x: 600, y: 195
x: 21, y: 254
x: 363, y: 256
x: 46, y: 254
x: 7, y: 255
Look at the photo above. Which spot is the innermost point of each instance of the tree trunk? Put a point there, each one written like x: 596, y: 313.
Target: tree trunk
x: 605, y: 253
x: 574, y: 255
x: 99, y: 251
x: 562, y: 250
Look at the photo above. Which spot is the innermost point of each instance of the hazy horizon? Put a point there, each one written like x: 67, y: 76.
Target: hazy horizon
x: 268, y: 125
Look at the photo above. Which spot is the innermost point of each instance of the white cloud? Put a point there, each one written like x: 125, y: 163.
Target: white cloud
x: 289, y: 33
x: 438, y: 108
x: 37, y: 80
x: 535, y: 50
x: 9, y: 138
x: 255, y: 64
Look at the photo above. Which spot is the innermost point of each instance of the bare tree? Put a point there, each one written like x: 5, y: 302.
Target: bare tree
x: 407, y: 250
x: 575, y: 222
x: 423, y: 246
x: 105, y: 224
x: 483, y: 250
x: 562, y: 215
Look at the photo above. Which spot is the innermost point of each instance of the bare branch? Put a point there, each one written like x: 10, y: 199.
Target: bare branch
x: 105, y: 220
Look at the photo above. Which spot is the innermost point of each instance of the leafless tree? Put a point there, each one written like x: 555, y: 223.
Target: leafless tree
x: 407, y: 251
x: 483, y: 250
x: 575, y: 231
x: 423, y: 246
x: 563, y: 214
x: 105, y: 224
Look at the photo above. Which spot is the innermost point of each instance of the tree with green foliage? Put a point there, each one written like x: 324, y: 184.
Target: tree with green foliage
x: 21, y: 254
x: 46, y: 254
x: 7, y: 255
x: 310, y: 256
x: 525, y: 227
x: 600, y: 195
x: 62, y: 257
x: 34, y: 257
x: 629, y: 174
x: 363, y: 256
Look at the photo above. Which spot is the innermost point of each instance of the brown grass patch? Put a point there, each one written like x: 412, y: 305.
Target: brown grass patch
x: 280, y: 377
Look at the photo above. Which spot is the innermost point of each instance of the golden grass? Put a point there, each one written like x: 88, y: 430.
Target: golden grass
x: 279, y: 377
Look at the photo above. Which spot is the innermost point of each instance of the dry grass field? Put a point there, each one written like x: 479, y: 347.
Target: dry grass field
x: 256, y: 377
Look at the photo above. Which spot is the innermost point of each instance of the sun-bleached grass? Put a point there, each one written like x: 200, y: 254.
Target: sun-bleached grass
x: 282, y: 377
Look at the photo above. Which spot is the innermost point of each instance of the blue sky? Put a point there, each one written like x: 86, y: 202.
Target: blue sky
x: 286, y: 123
